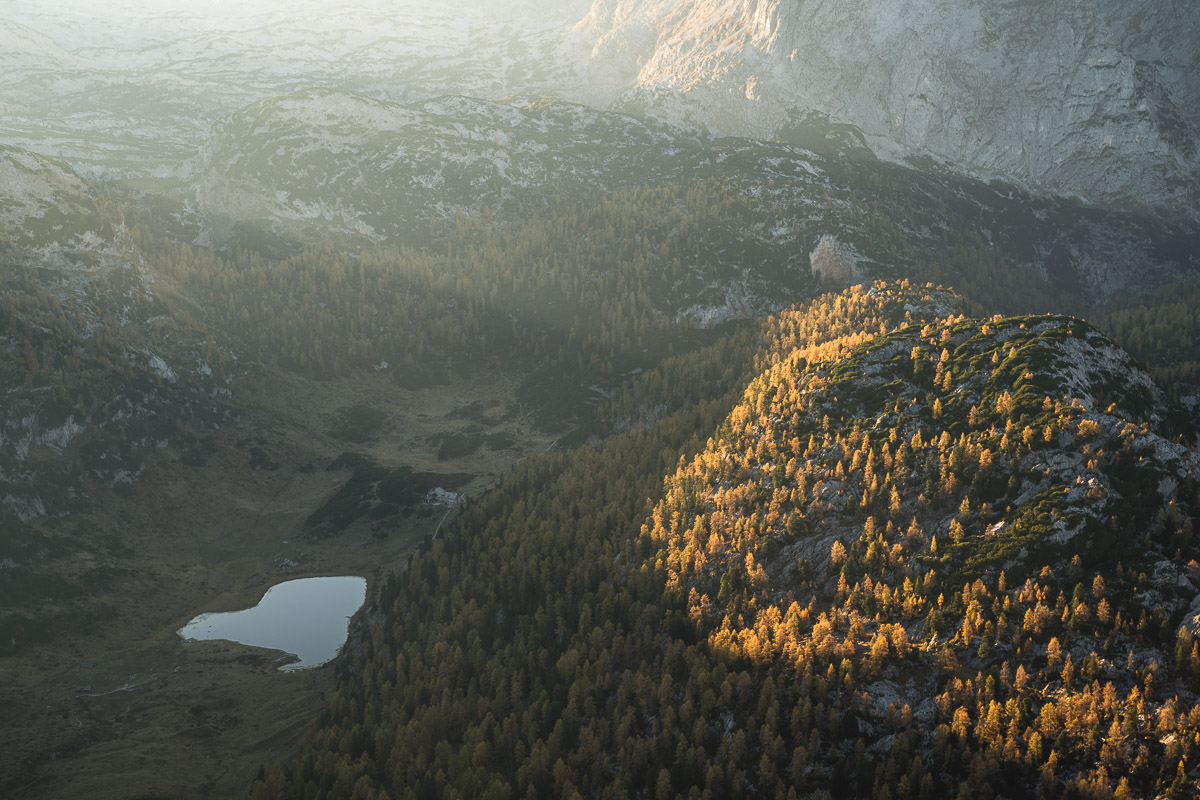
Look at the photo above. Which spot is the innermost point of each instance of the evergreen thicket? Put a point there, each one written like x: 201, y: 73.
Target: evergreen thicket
x: 860, y: 577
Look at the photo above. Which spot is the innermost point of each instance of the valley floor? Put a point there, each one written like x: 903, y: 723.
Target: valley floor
x: 123, y: 707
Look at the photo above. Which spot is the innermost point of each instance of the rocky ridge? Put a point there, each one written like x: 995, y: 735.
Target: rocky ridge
x: 322, y: 163
x: 336, y: 162
x: 98, y: 365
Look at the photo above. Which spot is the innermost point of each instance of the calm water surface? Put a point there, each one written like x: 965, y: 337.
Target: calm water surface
x: 309, y: 618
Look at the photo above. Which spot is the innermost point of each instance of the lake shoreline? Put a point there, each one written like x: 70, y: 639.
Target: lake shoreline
x: 302, y: 617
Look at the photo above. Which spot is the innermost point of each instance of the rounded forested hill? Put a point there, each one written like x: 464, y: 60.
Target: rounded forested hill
x: 921, y: 556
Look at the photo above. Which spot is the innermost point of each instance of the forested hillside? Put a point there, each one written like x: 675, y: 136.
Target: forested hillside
x: 628, y: 312
x: 596, y: 267
x: 1164, y: 332
x: 864, y: 576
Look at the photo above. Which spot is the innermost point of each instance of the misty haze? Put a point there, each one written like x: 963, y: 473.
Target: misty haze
x: 613, y: 399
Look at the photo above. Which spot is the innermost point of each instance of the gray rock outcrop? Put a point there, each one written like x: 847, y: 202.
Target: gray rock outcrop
x: 1093, y: 98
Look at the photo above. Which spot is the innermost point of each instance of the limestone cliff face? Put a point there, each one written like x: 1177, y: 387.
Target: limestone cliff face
x: 1096, y: 98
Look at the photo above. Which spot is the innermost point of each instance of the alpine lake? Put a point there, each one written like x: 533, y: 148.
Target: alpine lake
x: 307, y: 618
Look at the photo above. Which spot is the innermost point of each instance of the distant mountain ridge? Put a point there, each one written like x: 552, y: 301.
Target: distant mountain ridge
x: 129, y: 88
x: 1096, y: 99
